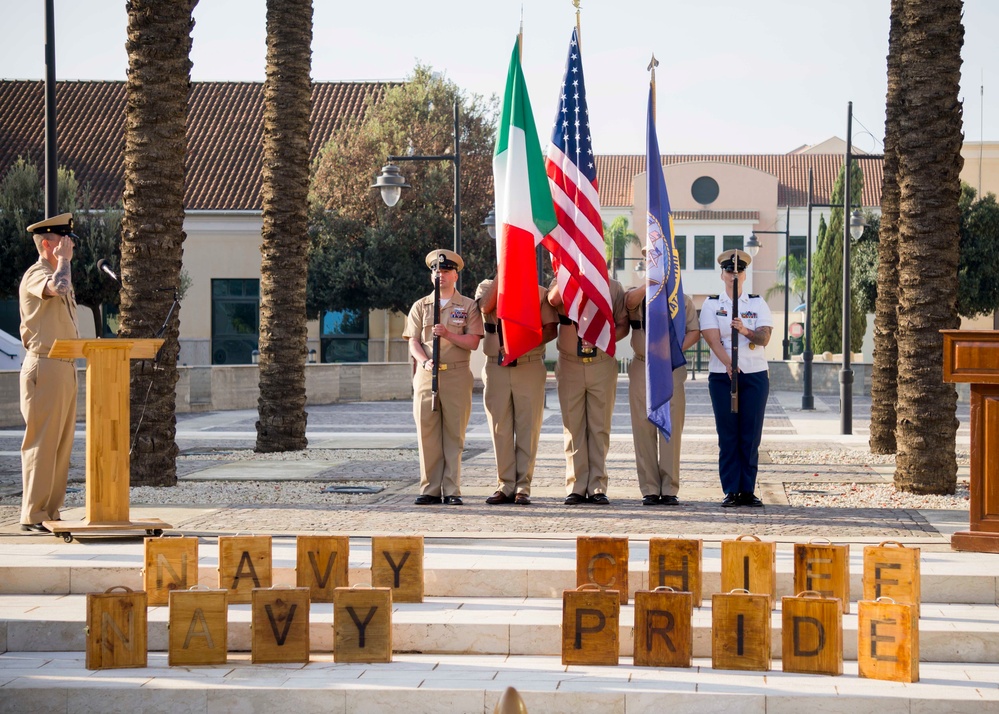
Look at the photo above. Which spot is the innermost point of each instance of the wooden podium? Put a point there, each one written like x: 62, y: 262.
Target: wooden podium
x: 973, y: 356
x: 108, y: 432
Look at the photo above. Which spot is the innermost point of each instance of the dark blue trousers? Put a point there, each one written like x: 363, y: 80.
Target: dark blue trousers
x: 739, y: 435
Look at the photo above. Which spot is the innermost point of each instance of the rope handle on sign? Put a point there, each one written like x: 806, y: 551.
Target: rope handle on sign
x: 748, y: 535
x: 813, y: 541
x: 664, y: 588
x: 812, y: 593
x: 886, y: 543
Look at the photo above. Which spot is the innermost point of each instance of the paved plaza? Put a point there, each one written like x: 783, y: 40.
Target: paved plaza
x: 374, y: 444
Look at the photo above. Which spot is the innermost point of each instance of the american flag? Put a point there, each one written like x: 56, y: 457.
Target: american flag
x: 577, y: 243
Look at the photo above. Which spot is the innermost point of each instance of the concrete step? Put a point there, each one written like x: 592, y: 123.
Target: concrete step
x: 462, y: 568
x: 494, y: 626
x: 432, y: 684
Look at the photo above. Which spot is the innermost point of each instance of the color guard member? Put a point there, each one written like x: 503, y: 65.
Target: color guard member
x: 514, y: 398
x: 739, y: 435
x: 442, y: 432
x: 587, y: 387
x: 657, y: 460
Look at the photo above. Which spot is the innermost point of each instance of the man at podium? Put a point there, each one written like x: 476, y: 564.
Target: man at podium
x: 48, y: 386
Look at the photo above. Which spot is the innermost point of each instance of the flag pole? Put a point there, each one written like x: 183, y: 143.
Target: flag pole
x: 579, y: 32
x: 520, y: 37
x: 652, y: 68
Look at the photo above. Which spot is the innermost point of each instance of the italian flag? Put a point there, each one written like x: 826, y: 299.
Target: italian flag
x: 524, y: 215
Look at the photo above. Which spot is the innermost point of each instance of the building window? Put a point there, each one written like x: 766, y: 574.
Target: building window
x: 681, y: 248
x: 732, y: 243
x: 344, y: 336
x: 704, y: 252
x: 798, y: 248
x: 235, y: 320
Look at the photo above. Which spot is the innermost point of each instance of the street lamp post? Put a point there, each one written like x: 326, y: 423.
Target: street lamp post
x: 390, y: 182
x: 786, y: 345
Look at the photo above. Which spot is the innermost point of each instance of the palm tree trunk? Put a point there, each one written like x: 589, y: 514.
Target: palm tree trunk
x: 884, y: 376
x: 159, y: 74
x: 929, y: 152
x: 284, y: 263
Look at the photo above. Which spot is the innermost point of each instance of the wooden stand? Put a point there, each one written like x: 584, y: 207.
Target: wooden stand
x: 972, y: 356
x: 108, y: 432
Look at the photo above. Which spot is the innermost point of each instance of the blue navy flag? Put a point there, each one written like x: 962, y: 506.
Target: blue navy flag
x: 666, y: 319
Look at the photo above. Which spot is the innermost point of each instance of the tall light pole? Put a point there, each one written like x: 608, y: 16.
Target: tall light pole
x: 390, y: 182
x: 786, y: 345
x: 51, y: 153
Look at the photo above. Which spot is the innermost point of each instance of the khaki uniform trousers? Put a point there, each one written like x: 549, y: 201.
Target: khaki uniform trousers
x: 586, y: 394
x: 442, y: 433
x: 48, y: 405
x: 657, y: 460
x: 514, y: 398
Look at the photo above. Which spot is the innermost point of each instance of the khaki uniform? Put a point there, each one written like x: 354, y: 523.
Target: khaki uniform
x: 587, y: 387
x: 514, y: 398
x: 442, y: 433
x: 48, y: 395
x: 657, y: 460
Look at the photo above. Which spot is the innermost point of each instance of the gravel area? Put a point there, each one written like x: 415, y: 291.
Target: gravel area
x: 243, y: 493
x: 857, y: 457
x: 856, y: 495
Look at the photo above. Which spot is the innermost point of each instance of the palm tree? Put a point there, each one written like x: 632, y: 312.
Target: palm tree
x: 796, y: 271
x: 884, y: 375
x: 617, y: 238
x: 152, y: 246
x: 284, y: 263
x: 929, y: 155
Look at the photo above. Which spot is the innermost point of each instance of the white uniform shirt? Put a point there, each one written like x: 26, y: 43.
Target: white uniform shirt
x: 716, y: 314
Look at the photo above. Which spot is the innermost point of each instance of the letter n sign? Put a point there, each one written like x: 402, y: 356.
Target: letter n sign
x: 590, y: 626
x: 116, y: 629
x: 362, y: 624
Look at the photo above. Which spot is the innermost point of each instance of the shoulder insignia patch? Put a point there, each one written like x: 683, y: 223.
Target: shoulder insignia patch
x: 753, y: 296
x: 712, y: 297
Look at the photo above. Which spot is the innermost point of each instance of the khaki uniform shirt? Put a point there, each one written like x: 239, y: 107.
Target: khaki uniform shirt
x: 460, y: 315
x: 44, y: 319
x: 638, y: 316
x: 567, y: 335
x: 490, y: 343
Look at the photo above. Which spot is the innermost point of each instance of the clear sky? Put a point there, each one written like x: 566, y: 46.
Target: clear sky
x: 735, y: 76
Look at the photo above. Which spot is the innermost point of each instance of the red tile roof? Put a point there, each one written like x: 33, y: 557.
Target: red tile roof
x: 617, y: 172
x: 225, y: 125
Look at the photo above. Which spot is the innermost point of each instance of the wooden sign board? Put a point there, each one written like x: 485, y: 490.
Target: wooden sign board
x: 397, y: 563
x: 116, y: 629
x: 362, y: 625
x: 824, y: 569
x: 664, y: 635
x: 280, y: 625
x: 591, y: 626
x: 887, y: 641
x: 198, y: 627
x: 740, y: 631
x: 171, y: 564
x: 749, y: 565
x: 812, y: 634
x: 321, y: 565
x: 603, y: 561
x: 892, y: 570
x: 676, y: 563
x: 244, y: 565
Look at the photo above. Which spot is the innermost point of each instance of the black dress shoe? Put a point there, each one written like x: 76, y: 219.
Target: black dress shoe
x: 499, y: 497
x: 427, y: 500
x: 650, y: 500
x: 522, y: 499
x: 731, y: 501
x: 574, y: 499
x: 34, y: 528
x: 669, y: 500
x: 599, y: 499
x: 750, y: 499
x: 453, y: 501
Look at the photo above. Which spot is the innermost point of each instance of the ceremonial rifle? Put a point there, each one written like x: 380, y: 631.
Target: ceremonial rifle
x: 735, y: 337
x: 436, y: 352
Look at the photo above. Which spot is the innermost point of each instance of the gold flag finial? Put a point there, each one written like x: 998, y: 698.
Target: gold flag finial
x: 510, y: 703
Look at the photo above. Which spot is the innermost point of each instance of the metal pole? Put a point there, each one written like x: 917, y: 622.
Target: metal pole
x: 807, y: 399
x: 457, y: 190
x: 846, y: 374
x: 51, y: 156
x: 787, y: 282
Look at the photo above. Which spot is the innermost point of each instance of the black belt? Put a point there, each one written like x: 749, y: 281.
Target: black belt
x: 638, y: 324
x: 490, y: 327
x: 564, y: 320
